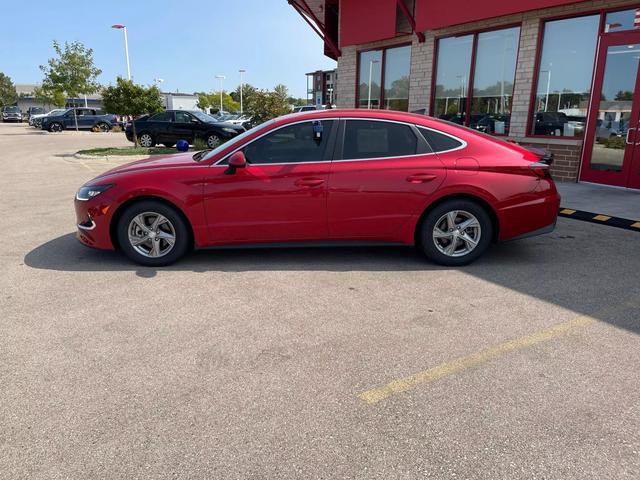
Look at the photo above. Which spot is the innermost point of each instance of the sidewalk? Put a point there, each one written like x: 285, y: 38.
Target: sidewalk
x: 601, y: 199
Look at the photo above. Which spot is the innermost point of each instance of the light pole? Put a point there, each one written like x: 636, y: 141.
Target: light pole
x: 241, y: 88
x: 126, y: 46
x: 546, y: 99
x: 371, y: 62
x: 221, y: 78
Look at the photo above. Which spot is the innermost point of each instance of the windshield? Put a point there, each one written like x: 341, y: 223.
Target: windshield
x: 57, y: 111
x: 11, y: 109
x: 201, y: 116
x: 236, y: 140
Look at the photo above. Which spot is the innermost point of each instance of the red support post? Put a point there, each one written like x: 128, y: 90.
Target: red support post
x: 307, y: 14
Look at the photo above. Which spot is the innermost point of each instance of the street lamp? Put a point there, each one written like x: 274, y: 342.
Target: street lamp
x: 221, y: 78
x: 371, y: 62
x: 126, y: 46
x: 241, y: 88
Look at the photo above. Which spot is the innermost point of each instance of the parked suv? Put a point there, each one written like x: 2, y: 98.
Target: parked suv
x: 11, y: 114
x: 88, y: 119
x: 31, y: 111
x: 172, y: 125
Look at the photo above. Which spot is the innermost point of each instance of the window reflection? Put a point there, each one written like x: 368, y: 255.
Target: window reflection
x: 619, y: 21
x: 370, y: 76
x: 495, y: 68
x: 564, y: 76
x: 452, y: 77
x: 397, y: 64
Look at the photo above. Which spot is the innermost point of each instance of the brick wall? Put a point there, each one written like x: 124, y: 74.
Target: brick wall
x: 567, y: 153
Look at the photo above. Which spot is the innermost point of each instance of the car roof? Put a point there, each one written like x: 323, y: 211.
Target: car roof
x: 358, y: 113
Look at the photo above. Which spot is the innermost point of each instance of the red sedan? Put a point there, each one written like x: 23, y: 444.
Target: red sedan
x: 333, y: 176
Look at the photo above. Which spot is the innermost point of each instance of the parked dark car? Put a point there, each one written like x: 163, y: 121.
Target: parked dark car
x: 11, y: 114
x: 88, y: 119
x: 550, y: 123
x: 172, y: 125
x: 31, y: 111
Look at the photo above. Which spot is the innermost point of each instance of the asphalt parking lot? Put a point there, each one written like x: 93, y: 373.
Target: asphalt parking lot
x: 308, y: 363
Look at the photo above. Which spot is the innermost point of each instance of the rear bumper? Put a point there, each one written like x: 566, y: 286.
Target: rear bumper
x: 533, y: 216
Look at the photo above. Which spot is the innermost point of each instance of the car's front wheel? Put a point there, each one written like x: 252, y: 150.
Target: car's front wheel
x: 55, y: 127
x: 456, y: 232
x: 146, y: 140
x: 102, y: 127
x: 153, y: 234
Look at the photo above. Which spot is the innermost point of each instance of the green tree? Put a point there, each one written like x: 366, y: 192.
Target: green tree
x: 248, y: 91
x: 212, y: 100
x: 8, y: 95
x: 128, y: 98
x: 72, y: 71
x: 49, y: 97
x: 264, y: 105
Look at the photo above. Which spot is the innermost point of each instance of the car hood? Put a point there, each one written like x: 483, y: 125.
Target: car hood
x: 155, y: 162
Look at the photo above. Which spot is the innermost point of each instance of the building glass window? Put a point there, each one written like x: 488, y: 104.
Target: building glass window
x: 491, y: 87
x: 564, y: 76
x: 370, y: 76
x: 395, y: 62
x: 452, y: 77
x: 624, y: 20
x: 495, y: 69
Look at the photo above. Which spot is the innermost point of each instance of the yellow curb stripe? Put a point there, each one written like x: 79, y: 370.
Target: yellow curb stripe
x: 601, y: 218
x: 635, y: 225
x: 567, y: 211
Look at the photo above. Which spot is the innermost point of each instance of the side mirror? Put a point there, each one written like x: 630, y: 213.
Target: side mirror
x: 237, y: 160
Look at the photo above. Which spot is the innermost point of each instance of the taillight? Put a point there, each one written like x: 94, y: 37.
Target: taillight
x: 541, y: 169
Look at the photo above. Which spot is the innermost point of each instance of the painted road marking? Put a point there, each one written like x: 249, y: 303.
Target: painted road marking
x: 601, y: 218
x: 635, y: 225
x: 567, y: 211
x: 448, y: 368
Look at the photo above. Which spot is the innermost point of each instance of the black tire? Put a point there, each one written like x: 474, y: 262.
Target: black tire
x: 466, y: 208
x: 151, y: 142
x: 169, y: 144
x: 55, y: 127
x: 178, y: 227
x: 103, y: 127
x: 213, y: 140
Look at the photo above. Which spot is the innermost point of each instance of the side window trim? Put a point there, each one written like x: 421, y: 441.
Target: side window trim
x: 423, y: 147
x: 328, y: 153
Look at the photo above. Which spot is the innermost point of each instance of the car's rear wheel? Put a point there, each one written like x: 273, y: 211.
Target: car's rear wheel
x: 102, y: 127
x: 456, y: 232
x: 55, y: 127
x: 213, y: 140
x: 152, y: 233
x: 146, y: 140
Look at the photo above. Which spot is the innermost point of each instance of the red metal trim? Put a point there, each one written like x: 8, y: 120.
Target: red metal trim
x: 472, y: 73
x: 411, y: 20
x: 306, y: 12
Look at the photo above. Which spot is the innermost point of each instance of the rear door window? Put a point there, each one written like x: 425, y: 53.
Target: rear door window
x: 365, y: 139
x: 162, y: 117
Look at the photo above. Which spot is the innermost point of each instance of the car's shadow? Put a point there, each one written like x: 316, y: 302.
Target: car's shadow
x: 579, y: 272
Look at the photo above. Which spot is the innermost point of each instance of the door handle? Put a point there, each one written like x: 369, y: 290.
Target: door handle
x: 421, y: 178
x: 309, y: 182
x: 627, y: 137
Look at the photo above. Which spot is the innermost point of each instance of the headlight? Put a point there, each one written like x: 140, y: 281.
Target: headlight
x: 229, y: 130
x: 87, y: 193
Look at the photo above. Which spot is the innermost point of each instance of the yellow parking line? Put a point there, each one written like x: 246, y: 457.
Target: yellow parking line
x: 601, y: 218
x: 636, y: 225
x: 567, y: 211
x: 448, y: 368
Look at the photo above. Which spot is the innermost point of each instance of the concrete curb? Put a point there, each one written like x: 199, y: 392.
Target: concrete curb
x: 132, y: 158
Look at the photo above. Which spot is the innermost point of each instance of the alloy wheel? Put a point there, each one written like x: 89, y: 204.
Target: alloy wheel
x: 151, y: 234
x: 213, y: 141
x: 146, y: 140
x: 457, y: 233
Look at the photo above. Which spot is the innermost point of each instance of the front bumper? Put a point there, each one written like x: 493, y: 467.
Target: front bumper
x: 93, y: 219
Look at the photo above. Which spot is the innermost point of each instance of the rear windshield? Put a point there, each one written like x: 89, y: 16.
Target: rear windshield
x: 11, y: 109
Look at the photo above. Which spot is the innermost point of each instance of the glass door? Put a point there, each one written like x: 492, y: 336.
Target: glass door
x: 612, y: 144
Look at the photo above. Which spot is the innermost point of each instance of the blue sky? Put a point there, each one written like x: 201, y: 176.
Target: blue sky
x: 184, y: 42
